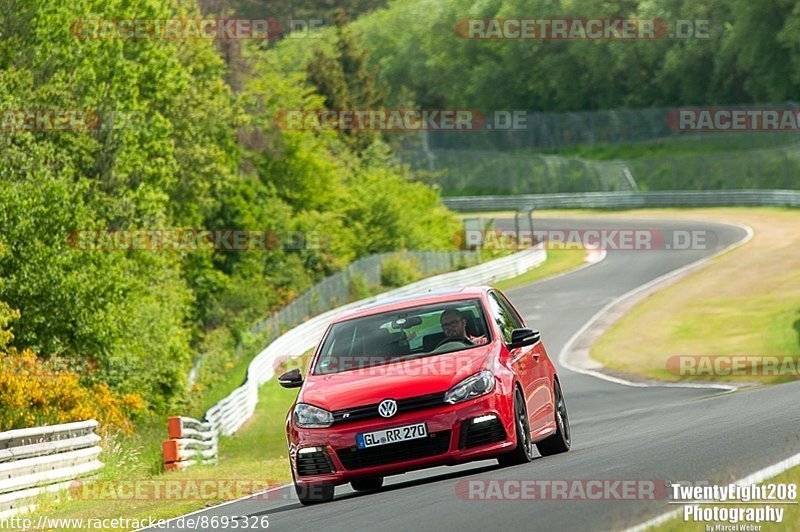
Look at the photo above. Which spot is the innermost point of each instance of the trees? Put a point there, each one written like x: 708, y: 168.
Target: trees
x: 749, y: 56
x: 175, y: 147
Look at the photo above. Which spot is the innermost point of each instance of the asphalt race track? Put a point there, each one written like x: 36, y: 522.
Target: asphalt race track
x: 619, y: 432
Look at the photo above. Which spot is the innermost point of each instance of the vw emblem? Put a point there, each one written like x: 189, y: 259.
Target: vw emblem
x: 387, y: 408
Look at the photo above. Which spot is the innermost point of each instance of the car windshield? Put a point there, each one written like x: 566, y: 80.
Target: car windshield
x: 402, y: 335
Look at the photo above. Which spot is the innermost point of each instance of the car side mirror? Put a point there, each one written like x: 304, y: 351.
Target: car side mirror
x: 291, y: 379
x: 523, y: 337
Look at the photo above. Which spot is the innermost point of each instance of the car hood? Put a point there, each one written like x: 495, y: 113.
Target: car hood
x: 400, y: 380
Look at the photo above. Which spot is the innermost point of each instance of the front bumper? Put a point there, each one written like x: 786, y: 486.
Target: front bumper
x: 451, y: 440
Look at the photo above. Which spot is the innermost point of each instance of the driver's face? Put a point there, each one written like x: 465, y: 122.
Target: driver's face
x: 454, y: 326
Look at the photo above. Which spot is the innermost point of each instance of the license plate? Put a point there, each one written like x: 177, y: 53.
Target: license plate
x: 397, y: 434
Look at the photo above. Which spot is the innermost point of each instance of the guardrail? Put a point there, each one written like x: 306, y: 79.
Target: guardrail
x: 230, y: 413
x: 191, y: 442
x: 46, y: 459
x: 335, y: 289
x: 627, y: 200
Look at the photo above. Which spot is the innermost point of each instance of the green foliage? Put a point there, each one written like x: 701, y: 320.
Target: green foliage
x: 751, y: 55
x: 398, y: 271
x: 324, y: 10
x: 176, y: 147
x: 7, y: 315
x: 346, y: 80
x: 359, y: 289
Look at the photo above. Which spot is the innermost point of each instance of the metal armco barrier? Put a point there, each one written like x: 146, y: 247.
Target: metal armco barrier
x: 44, y: 459
x: 335, y: 289
x: 628, y: 200
x: 230, y: 413
x: 190, y: 442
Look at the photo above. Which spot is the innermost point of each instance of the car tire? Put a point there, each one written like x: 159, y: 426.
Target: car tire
x: 523, y: 452
x: 561, y: 441
x: 367, y: 484
x: 313, y: 493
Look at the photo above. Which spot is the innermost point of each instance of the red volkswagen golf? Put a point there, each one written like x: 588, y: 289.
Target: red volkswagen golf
x: 437, y: 379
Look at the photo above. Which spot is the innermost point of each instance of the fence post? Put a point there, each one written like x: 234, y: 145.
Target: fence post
x: 190, y: 442
x: 758, y: 169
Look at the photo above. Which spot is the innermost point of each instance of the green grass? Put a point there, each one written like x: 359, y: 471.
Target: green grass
x: 558, y: 261
x: 688, y: 162
x: 746, y: 302
x: 231, y: 379
x: 687, y: 144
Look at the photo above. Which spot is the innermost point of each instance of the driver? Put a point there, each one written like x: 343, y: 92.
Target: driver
x: 455, y: 327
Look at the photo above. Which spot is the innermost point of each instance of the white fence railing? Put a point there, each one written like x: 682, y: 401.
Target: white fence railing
x: 230, y: 413
x: 190, y: 442
x: 628, y: 200
x: 46, y: 459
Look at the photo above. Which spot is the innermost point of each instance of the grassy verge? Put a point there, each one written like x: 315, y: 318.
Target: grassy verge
x: 688, y: 144
x: 558, y: 261
x: 686, y: 162
x: 250, y: 460
x: 791, y: 515
x: 229, y: 380
x: 747, y: 302
x: 561, y: 213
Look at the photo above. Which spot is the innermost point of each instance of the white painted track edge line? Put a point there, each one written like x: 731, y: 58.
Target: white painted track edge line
x: 564, y: 353
x: 602, y: 254
x: 755, y: 478
x: 220, y: 505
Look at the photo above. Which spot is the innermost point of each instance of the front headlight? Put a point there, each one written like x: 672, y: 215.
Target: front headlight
x: 479, y: 384
x: 312, y: 417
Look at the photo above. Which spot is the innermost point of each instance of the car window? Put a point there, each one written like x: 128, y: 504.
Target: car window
x: 506, y: 304
x: 399, y: 334
x: 504, y: 315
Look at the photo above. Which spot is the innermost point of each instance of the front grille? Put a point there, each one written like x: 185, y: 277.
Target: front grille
x: 360, y: 413
x: 316, y: 463
x: 484, y: 433
x: 435, y: 443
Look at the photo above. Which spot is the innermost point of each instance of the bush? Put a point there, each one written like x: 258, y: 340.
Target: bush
x: 358, y: 287
x: 35, y: 392
x: 398, y: 271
